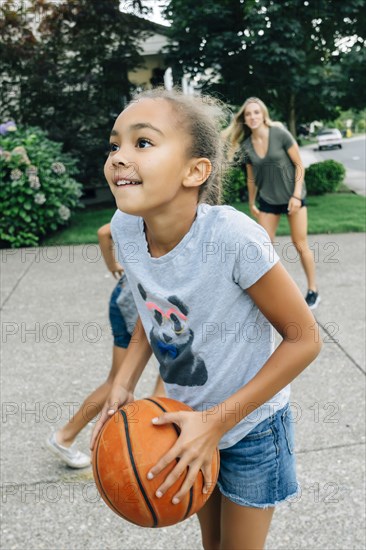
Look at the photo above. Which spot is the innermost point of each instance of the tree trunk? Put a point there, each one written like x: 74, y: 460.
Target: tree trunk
x: 292, y: 115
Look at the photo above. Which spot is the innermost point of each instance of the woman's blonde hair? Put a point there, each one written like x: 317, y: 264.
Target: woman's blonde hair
x: 238, y: 131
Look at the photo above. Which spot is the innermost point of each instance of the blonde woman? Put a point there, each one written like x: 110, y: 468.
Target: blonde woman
x: 275, y: 177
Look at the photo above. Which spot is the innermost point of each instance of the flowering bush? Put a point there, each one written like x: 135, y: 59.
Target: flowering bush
x: 37, y: 190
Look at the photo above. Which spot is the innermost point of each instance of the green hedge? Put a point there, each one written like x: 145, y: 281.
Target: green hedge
x: 321, y: 177
x: 235, y: 187
x: 324, y: 177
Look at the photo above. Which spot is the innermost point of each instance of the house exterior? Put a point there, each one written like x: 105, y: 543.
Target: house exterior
x: 155, y: 70
x: 154, y: 66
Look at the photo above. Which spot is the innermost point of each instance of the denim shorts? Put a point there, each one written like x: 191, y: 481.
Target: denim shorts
x: 120, y: 333
x: 268, y: 208
x: 260, y: 470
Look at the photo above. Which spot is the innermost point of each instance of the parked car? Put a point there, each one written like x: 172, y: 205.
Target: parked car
x: 329, y: 137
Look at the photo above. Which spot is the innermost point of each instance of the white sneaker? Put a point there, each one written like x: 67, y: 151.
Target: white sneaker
x: 70, y: 455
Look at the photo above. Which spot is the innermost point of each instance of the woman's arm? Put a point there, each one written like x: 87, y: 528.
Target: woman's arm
x: 295, y: 201
x: 252, y: 190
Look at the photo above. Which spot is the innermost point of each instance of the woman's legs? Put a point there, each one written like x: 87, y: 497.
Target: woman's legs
x: 229, y: 526
x: 92, y: 405
x: 269, y: 222
x: 298, y: 223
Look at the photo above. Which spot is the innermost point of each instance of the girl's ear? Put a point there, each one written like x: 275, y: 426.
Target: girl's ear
x: 199, y: 171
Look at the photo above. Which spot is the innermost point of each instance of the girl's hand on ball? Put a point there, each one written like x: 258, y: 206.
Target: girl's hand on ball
x: 194, y: 447
x: 118, y: 397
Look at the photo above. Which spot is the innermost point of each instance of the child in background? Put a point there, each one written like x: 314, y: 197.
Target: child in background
x: 209, y: 288
x: 123, y: 316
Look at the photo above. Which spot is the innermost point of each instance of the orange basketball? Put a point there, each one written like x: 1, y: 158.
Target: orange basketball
x: 127, y: 447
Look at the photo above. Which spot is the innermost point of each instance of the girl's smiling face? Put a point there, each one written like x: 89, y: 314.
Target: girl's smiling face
x: 253, y: 116
x: 148, y: 163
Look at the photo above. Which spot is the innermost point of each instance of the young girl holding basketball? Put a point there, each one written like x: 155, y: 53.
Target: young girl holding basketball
x: 209, y: 288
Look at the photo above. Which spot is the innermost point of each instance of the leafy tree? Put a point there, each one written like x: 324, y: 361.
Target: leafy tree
x: 17, y: 49
x: 353, y: 81
x: 207, y: 42
x: 69, y: 71
x: 288, y: 53
x: 297, y: 53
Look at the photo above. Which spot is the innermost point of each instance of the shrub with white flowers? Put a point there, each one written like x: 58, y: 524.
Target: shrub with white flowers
x: 37, y: 190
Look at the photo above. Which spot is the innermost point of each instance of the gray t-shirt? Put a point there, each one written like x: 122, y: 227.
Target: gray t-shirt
x: 126, y: 304
x: 274, y: 174
x: 207, y: 334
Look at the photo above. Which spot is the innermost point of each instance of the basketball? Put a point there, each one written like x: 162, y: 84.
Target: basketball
x: 127, y: 447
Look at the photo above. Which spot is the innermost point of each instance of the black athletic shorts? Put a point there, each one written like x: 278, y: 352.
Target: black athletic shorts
x: 275, y: 208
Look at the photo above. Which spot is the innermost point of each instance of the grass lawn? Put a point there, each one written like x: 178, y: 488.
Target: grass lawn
x: 83, y: 227
x: 333, y: 213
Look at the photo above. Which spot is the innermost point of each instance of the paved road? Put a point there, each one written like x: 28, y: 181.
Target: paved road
x: 352, y: 155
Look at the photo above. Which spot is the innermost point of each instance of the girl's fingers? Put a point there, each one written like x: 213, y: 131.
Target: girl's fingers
x: 188, y: 462
x: 171, y: 455
x: 167, y: 418
x: 97, y: 428
x: 193, y: 471
x: 171, y: 479
x: 112, y: 408
x: 207, y: 477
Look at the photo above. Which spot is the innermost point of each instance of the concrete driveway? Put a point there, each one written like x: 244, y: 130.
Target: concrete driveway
x: 56, y: 347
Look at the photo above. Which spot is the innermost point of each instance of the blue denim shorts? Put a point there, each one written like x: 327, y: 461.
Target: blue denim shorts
x: 121, y: 336
x: 260, y: 470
